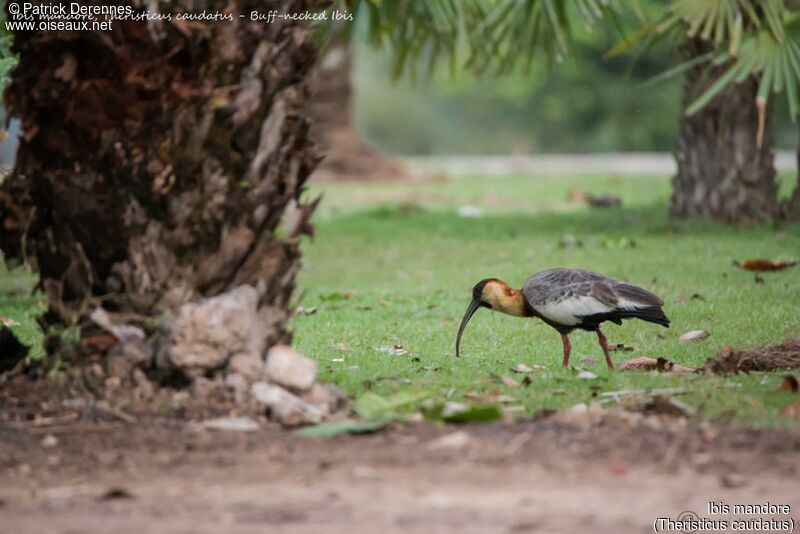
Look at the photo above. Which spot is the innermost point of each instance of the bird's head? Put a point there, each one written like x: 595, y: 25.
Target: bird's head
x: 493, y: 294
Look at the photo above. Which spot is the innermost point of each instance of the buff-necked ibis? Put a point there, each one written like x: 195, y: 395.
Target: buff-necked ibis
x: 567, y: 299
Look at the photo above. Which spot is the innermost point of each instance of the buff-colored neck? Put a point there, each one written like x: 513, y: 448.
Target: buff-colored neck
x: 504, y: 299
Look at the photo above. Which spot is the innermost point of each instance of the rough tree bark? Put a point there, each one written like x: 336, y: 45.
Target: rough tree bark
x: 159, y: 161
x: 722, y: 172
x: 330, y: 111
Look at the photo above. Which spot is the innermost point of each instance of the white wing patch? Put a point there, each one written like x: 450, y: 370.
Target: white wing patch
x: 625, y: 304
x: 569, y: 311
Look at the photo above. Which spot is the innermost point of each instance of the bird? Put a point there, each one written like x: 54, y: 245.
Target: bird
x: 568, y: 299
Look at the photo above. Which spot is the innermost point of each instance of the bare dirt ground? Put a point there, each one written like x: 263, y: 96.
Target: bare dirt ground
x: 161, y: 476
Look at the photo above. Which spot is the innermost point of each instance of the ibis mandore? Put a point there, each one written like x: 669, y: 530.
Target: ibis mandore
x: 568, y: 299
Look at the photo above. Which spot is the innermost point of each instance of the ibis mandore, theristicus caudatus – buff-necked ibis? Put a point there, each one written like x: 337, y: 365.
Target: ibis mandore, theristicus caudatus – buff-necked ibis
x: 567, y: 299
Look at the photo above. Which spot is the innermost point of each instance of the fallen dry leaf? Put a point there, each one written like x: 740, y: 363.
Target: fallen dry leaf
x: 789, y: 384
x: 576, y: 196
x: 508, y: 381
x: 8, y: 322
x: 791, y: 410
x: 350, y: 293
x: 621, y: 347
x: 638, y: 364
x: 588, y: 361
x: 340, y: 346
x: 306, y: 311
x: 603, y: 201
x: 394, y: 350
x: 765, y: 265
x: 384, y: 303
x: 693, y: 336
x: 653, y: 364
x: 488, y: 398
x: 586, y: 375
x: 522, y: 368
x: 99, y: 342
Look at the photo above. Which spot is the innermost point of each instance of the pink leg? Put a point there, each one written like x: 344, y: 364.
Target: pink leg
x: 604, y: 344
x: 567, y: 350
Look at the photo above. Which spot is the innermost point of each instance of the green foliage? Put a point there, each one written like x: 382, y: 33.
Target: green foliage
x: 748, y: 37
x: 582, y: 104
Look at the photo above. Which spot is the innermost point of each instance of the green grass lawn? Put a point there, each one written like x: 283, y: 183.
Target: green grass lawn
x: 411, y: 261
x: 407, y: 260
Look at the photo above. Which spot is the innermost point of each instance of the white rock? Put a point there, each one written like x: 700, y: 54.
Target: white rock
x: 288, y: 368
x: 238, y: 384
x: 285, y: 407
x: 230, y: 424
x: 205, y: 334
x: 247, y: 365
x: 325, y: 397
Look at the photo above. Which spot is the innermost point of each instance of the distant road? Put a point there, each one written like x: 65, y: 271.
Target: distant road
x: 653, y: 163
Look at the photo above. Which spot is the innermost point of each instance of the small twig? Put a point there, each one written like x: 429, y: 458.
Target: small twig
x: 104, y: 407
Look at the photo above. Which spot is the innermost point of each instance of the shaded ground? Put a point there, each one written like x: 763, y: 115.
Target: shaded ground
x: 538, y: 476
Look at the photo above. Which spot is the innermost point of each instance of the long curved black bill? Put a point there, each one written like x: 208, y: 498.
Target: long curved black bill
x: 473, y: 306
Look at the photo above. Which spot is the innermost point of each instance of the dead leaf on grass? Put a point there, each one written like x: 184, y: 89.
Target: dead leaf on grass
x: 588, y: 361
x: 791, y: 410
x: 384, y: 303
x: 586, y: 375
x: 8, y: 322
x: 694, y: 336
x: 576, y: 196
x: 653, y: 364
x: 603, y: 201
x: 306, y: 311
x: 394, y: 350
x: 508, y: 381
x: 789, y: 384
x: 340, y: 346
x: 694, y: 296
x: 621, y: 347
x: 489, y: 398
x: 765, y: 265
x: 523, y: 368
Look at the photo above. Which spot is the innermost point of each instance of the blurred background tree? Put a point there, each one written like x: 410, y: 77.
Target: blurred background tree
x: 733, y: 54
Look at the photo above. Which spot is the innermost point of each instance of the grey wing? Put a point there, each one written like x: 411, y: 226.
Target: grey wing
x: 565, y: 296
x: 556, y: 284
x: 631, y: 296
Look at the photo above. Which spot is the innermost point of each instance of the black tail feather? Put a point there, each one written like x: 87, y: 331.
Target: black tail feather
x: 652, y: 314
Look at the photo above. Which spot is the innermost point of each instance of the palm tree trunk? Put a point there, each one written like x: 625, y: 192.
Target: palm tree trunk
x: 158, y: 161
x: 722, y: 172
